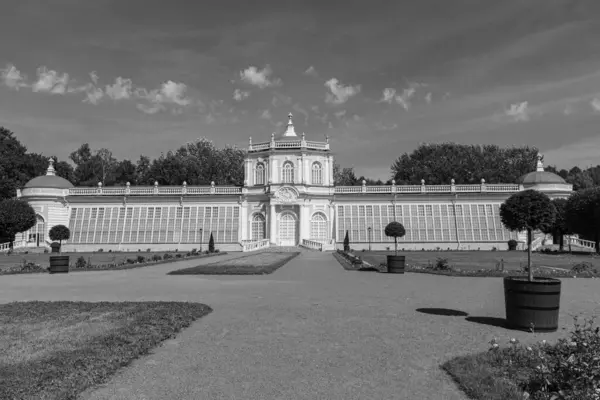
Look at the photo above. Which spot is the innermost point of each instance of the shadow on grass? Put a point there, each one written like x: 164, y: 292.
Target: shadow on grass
x: 442, y: 311
x: 492, y: 321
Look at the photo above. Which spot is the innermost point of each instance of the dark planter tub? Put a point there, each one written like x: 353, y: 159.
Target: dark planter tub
x: 395, y: 264
x: 532, y: 303
x: 59, y: 264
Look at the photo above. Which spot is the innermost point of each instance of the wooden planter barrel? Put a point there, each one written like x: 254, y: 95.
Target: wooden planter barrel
x: 530, y: 303
x: 59, y: 264
x: 395, y: 264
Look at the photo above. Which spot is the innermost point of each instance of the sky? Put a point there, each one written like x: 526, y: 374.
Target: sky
x: 377, y: 77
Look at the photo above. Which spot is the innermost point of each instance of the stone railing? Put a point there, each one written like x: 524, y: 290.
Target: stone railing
x: 4, y: 247
x: 252, y: 245
x: 289, y: 144
x: 588, y: 244
x: 452, y: 188
x: 312, y: 244
x: 129, y: 190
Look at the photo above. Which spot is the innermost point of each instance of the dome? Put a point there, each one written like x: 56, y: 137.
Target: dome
x: 50, y: 180
x: 540, y: 176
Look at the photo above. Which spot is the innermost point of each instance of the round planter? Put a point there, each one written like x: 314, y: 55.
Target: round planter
x: 532, y: 303
x: 395, y: 264
x: 59, y: 264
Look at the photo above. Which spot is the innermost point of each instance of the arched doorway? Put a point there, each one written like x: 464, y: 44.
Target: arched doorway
x: 318, y: 227
x: 37, y: 234
x: 258, y: 227
x: 288, y: 229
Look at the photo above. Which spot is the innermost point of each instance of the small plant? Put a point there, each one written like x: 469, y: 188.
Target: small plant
x: 387, y: 248
x: 194, y: 251
x: 100, y: 250
x: 130, y: 261
x: 81, y: 262
x: 178, y: 255
x: 395, y: 229
x: 211, y: 244
x: 188, y: 254
x: 167, y: 256
x: 584, y: 268
x: 156, y: 257
x: 141, y: 259
x: 46, y: 251
x: 442, y: 264
x: 148, y: 250
x: 205, y: 251
x: 512, y: 245
x: 217, y: 251
x: 110, y: 250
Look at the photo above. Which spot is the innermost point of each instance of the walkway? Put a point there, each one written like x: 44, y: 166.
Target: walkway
x: 309, y: 331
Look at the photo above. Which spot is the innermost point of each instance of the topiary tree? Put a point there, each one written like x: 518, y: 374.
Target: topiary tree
x: 559, y: 228
x: 395, y: 229
x: 211, y: 244
x: 60, y: 233
x: 347, y: 242
x: 15, y: 216
x: 582, y: 212
x: 529, y: 211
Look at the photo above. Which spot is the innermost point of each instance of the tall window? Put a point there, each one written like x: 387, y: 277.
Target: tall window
x: 287, y: 172
x: 38, y: 230
x: 258, y: 227
x: 259, y: 174
x: 317, y: 174
x: 318, y: 227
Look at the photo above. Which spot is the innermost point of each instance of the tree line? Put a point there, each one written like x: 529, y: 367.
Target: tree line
x: 200, y: 162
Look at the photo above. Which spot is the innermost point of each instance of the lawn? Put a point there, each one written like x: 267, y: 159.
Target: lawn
x: 56, y: 350
x: 477, y: 260
x: 254, y: 264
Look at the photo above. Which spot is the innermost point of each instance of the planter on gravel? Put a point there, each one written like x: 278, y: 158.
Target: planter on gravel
x: 532, y: 304
x: 395, y: 264
x: 59, y: 264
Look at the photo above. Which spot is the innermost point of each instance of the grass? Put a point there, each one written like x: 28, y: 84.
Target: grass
x: 57, y: 350
x: 255, y: 264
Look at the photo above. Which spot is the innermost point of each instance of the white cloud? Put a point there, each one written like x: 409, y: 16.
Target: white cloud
x: 404, y: 98
x: 339, y: 114
x: 50, y: 81
x: 518, y: 111
x: 340, y: 93
x: 152, y: 109
x: 210, y: 119
x: 281, y: 99
x: 428, y: 98
x: 388, y: 95
x: 94, y: 77
x: 595, y: 103
x: 261, y: 78
x: 239, y: 95
x: 311, y: 71
x: 121, y: 90
x: 266, y: 114
x: 12, y: 77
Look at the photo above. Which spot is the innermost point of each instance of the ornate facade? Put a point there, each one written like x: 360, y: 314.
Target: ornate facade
x: 288, y: 199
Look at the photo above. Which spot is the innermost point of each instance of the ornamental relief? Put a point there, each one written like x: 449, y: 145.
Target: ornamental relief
x: 286, y: 195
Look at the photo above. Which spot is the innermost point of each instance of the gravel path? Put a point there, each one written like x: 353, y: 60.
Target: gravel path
x: 309, y: 331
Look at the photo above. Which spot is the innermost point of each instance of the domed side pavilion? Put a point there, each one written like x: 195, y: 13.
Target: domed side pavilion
x: 288, y: 199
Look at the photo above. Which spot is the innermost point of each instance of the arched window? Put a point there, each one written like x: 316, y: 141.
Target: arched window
x: 258, y: 227
x: 317, y: 174
x: 39, y: 230
x: 287, y: 175
x: 318, y: 227
x: 259, y: 174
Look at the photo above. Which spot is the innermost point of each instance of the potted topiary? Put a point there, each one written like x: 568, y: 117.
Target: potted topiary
x: 59, y: 263
x: 530, y: 302
x: 395, y: 263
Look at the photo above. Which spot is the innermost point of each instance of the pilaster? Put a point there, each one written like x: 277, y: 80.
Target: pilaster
x: 272, y: 225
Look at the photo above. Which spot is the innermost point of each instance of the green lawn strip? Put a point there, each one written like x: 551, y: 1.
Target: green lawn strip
x: 57, y: 350
x: 234, y: 267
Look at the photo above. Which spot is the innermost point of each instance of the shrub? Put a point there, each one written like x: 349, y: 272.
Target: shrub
x: 31, y: 266
x: 442, y: 264
x: 188, y: 254
x: 148, y: 250
x: 16, y: 216
x: 100, y: 250
x: 130, y: 261
x: 205, y: 251
x: 81, y: 262
x: 194, y: 251
x: 211, y: 244
x: 110, y: 250
x: 217, y: 251
x: 141, y: 259
x: 156, y: 257
x: 178, y: 255
x: 584, y: 267
x: 46, y: 251
x: 346, y: 242
x: 512, y: 245
x: 581, y: 214
x: 167, y: 256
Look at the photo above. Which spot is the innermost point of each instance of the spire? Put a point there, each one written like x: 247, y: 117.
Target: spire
x: 540, y: 165
x: 290, y: 127
x: 50, y: 171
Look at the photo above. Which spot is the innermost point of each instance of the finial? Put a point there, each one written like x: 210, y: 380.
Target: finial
x: 50, y: 170
x: 99, y: 185
x: 303, y: 136
x: 290, y: 127
x: 452, y: 181
x: 393, y: 181
x: 364, y: 182
x: 422, y: 181
x: 327, y: 138
x: 128, y: 184
x: 540, y: 164
x: 155, y: 183
x: 250, y: 141
x: 272, y: 135
x: 184, y: 183
x: 212, y: 183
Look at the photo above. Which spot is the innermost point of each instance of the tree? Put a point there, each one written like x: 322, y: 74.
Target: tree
x: 60, y: 233
x: 582, y: 212
x: 560, y: 227
x: 580, y: 180
x: 14, y: 168
x: 529, y: 211
x: 346, y: 242
x: 211, y: 244
x: 343, y: 177
x: 93, y: 168
x: 395, y: 229
x: 15, y: 216
x: 125, y: 171
x: 142, y: 171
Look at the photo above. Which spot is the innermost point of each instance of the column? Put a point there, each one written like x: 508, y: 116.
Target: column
x: 302, y: 217
x: 273, y: 225
x: 300, y: 178
x: 332, y: 227
x: 243, y: 221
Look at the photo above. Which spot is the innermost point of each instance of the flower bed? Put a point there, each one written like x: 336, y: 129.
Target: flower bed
x: 570, y: 369
x: 254, y: 264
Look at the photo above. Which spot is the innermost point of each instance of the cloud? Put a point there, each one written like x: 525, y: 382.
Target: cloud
x: 239, y: 95
x: 384, y: 127
x: 428, y: 98
x: 339, y: 114
x: 12, y: 77
x: 311, y: 71
x: 266, y: 114
x: 388, y: 95
x: 260, y: 78
x: 281, y: 99
x: 210, y: 119
x: 340, y: 93
x: 595, y: 103
x: 121, y: 90
x: 296, y: 107
x: 152, y: 109
x: 50, y: 81
x: 518, y: 112
x: 94, y: 77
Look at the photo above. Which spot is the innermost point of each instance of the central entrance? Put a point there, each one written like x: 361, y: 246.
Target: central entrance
x: 288, y: 229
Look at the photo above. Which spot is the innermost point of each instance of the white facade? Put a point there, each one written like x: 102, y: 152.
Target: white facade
x: 288, y: 199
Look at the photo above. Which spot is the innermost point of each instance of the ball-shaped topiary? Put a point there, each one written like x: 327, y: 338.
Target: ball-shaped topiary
x: 395, y: 229
x: 60, y: 233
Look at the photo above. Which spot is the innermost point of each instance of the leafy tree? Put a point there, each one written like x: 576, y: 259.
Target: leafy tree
x: 14, y: 169
x: 582, y: 212
x: 93, y: 168
x: 15, y: 216
x: 580, y: 180
x: 125, y: 171
x: 60, y: 233
x: 529, y: 211
x: 343, y: 176
x: 395, y: 229
x: 347, y: 242
x: 211, y: 244
x: 560, y: 227
x: 142, y: 171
